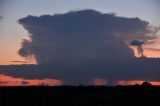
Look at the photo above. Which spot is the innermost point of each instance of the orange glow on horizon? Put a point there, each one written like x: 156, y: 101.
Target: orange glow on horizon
x: 133, y: 82
x: 10, y: 81
x: 99, y: 82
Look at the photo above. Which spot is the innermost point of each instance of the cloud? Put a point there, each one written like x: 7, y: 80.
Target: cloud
x: 79, y: 46
x: 138, y: 44
x: 80, y: 35
x: 15, y: 61
x: 1, y: 18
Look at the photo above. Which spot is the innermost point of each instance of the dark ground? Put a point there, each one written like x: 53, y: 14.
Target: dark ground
x: 80, y: 96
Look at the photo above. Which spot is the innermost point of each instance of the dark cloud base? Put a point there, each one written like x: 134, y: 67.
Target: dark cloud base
x: 137, y: 69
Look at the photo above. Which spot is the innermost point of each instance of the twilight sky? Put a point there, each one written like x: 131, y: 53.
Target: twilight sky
x: 31, y: 33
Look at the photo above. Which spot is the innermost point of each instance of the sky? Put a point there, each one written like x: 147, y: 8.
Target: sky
x: 14, y: 35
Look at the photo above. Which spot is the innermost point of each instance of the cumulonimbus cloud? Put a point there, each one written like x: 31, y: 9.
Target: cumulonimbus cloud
x: 81, y: 45
x: 80, y: 35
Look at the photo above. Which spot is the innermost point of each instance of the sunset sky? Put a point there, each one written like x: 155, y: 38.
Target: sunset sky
x: 19, y: 20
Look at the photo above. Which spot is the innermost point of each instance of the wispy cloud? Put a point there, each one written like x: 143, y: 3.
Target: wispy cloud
x: 1, y: 17
x: 15, y: 61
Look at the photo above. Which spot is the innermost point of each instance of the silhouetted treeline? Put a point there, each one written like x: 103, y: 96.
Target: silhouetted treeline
x: 137, y: 95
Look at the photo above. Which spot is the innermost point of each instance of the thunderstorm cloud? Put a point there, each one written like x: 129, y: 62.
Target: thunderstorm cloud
x: 82, y: 45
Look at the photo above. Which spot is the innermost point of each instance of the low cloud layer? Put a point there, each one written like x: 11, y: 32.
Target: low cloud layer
x: 82, y: 45
x: 82, y: 73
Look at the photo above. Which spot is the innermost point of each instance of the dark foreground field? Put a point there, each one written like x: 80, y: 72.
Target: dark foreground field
x: 80, y: 96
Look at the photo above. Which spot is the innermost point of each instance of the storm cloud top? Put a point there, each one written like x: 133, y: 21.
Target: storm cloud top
x: 80, y: 35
